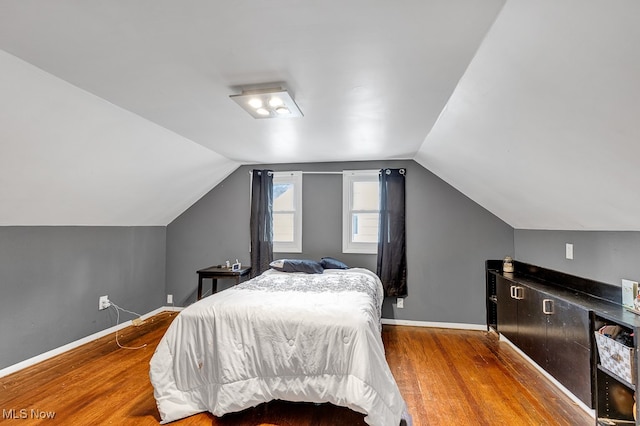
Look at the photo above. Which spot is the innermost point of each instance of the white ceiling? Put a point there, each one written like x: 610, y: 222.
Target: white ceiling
x: 118, y: 112
x: 544, y: 128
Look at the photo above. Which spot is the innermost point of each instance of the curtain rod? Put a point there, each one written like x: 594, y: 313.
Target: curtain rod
x: 307, y: 173
x: 402, y: 171
x: 322, y: 173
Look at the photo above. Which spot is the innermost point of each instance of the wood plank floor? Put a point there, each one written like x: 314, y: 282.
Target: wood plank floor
x: 446, y: 377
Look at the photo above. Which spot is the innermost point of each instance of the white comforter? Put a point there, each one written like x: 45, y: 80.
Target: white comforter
x: 293, y: 337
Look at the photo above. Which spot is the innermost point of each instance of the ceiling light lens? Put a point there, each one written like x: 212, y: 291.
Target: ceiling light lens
x: 275, y: 102
x: 255, y: 103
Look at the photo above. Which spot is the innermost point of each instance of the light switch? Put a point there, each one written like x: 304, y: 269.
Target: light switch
x: 569, y: 251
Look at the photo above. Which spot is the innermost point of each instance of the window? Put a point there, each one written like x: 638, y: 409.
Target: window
x: 361, y: 211
x: 287, y: 212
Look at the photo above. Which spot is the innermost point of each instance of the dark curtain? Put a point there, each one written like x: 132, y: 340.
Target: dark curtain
x: 392, y: 246
x: 261, y: 221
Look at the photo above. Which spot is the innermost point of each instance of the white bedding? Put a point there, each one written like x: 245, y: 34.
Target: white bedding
x: 287, y: 336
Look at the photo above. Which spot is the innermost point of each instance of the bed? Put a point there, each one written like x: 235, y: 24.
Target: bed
x: 287, y: 336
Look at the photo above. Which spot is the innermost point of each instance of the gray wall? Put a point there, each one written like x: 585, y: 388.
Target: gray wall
x: 51, y: 278
x: 448, y: 239
x: 606, y: 256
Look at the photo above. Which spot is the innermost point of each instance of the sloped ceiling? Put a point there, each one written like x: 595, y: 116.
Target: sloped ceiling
x: 117, y: 112
x: 70, y: 158
x: 130, y: 119
x: 544, y: 127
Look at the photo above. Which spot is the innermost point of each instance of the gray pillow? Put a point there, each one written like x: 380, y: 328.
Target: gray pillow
x: 331, y: 263
x: 297, y: 265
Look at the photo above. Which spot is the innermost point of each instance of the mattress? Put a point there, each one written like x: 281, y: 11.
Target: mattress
x: 287, y: 336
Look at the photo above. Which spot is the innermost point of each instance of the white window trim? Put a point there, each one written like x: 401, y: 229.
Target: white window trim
x: 348, y: 177
x: 296, y: 179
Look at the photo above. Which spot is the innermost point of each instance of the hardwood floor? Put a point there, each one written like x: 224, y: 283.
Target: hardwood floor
x: 446, y: 377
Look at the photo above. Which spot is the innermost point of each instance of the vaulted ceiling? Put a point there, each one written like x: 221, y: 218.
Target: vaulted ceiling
x: 118, y: 112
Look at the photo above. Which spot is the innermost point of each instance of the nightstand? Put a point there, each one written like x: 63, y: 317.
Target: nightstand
x: 216, y: 273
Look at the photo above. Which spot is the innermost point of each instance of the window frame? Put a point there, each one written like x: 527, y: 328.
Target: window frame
x: 348, y: 178
x: 294, y: 178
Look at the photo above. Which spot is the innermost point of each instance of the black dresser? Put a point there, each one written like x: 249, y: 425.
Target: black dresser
x: 552, y: 316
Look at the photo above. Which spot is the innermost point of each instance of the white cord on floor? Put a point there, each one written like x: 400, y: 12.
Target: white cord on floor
x: 118, y: 309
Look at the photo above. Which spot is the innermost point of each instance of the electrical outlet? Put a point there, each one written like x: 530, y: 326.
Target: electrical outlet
x: 170, y: 299
x: 400, y: 303
x: 103, y: 302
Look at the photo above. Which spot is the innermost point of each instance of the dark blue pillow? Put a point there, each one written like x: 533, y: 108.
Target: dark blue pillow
x: 331, y: 263
x: 297, y: 265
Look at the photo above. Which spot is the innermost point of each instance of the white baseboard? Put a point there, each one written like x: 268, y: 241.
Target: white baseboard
x: 454, y: 325
x: 559, y: 385
x: 62, y: 349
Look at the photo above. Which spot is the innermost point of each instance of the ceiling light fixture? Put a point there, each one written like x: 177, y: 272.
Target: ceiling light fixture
x: 268, y: 103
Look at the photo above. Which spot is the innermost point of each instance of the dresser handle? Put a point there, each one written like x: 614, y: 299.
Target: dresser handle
x: 519, y: 293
